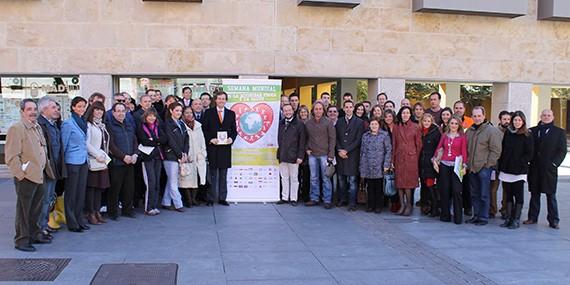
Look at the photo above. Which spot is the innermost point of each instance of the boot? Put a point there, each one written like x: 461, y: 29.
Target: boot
x: 508, y: 219
x: 516, y: 219
x: 92, y: 219
x: 51, y: 221
x: 100, y: 217
x: 435, y: 207
x: 59, y: 211
x: 409, y: 203
x: 193, y: 196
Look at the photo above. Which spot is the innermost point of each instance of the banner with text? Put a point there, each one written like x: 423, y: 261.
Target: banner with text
x: 254, y: 176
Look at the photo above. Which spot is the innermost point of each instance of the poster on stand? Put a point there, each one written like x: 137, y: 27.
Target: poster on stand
x: 254, y: 176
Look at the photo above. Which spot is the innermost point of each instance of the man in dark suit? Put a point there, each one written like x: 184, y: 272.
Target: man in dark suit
x: 186, y: 99
x: 198, y: 110
x: 549, y: 152
x: 349, y: 130
x: 219, y: 119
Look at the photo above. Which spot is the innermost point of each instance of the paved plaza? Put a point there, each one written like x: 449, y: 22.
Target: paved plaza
x: 280, y: 244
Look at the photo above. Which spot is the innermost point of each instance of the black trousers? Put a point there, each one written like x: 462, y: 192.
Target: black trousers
x: 123, y: 187
x: 74, y: 196
x: 304, y: 182
x: 219, y: 186
x: 451, y: 188
x: 29, y: 197
x: 514, y: 192
x: 375, y: 193
x: 551, y: 204
x: 466, y: 194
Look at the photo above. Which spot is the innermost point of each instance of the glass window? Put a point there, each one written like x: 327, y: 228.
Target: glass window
x: 137, y: 86
x: 14, y: 89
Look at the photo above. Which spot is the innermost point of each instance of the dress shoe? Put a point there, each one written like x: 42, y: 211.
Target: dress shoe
x: 41, y: 240
x: 294, y: 203
x: 51, y: 230
x: 311, y: 203
x: 445, y: 219
x: 328, y: 206
x: 224, y: 203
x: 131, y: 215
x: 85, y: 227
x: 180, y: 210
x: 26, y: 248
x: 554, y: 226
x: 281, y: 202
x: 480, y: 223
x: 472, y: 220
x: 529, y: 222
x: 79, y: 230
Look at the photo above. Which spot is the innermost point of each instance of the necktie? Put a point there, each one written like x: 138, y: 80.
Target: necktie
x: 220, y: 116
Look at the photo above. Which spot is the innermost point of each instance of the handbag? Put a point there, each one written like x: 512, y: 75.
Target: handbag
x: 362, y: 196
x: 95, y: 165
x: 389, y: 184
x: 330, y: 170
x: 185, y: 169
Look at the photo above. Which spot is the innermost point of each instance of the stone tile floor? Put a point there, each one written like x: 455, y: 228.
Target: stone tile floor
x: 270, y: 244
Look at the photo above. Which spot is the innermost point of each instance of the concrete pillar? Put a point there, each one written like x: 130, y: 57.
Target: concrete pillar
x: 348, y: 85
x: 395, y: 88
x: 102, y: 83
x: 511, y: 96
x: 541, y: 98
x: 450, y: 93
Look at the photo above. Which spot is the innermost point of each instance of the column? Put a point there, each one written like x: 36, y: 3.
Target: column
x: 511, y: 96
x: 541, y: 99
x: 102, y: 83
x: 450, y: 93
x: 395, y: 88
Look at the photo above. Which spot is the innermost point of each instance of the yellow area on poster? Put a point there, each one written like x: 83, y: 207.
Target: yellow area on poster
x: 255, y: 156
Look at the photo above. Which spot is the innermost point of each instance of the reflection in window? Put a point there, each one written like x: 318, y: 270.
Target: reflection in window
x: 137, y: 86
x: 14, y: 89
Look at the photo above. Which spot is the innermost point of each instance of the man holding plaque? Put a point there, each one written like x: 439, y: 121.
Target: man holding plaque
x: 220, y: 131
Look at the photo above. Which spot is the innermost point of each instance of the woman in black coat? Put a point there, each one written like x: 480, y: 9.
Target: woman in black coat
x: 513, y: 167
x: 175, y: 152
x: 150, y: 133
x: 430, y: 139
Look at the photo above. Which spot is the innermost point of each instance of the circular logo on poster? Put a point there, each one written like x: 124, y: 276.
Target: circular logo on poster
x: 251, y: 123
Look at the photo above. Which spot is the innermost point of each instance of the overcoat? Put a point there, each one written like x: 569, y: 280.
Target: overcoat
x: 407, y: 145
x: 349, y: 138
x: 219, y: 156
x: 549, y: 152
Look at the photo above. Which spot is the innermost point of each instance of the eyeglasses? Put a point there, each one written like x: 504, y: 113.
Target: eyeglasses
x: 120, y: 101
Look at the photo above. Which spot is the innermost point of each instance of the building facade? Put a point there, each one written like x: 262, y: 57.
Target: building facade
x: 520, y: 47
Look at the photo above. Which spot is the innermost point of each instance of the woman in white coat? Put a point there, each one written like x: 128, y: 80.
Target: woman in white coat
x: 194, y: 171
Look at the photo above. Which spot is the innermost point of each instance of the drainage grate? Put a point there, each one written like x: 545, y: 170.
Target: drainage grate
x: 31, y: 269
x: 136, y: 273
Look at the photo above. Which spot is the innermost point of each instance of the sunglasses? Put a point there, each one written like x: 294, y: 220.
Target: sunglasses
x: 121, y: 101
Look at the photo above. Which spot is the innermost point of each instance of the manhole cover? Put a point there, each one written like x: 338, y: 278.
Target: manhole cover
x: 136, y: 273
x: 31, y: 269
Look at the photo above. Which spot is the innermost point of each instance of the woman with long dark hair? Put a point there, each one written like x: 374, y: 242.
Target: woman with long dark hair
x: 150, y: 133
x: 445, y: 116
x: 98, y: 148
x: 407, y: 143
x: 175, y: 153
x: 388, y: 123
x: 513, y: 167
x: 74, y: 140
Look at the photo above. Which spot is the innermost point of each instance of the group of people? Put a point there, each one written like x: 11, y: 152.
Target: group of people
x: 119, y: 158
x: 328, y: 154
x: 168, y: 154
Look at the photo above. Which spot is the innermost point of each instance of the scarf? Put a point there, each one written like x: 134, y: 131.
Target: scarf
x: 80, y: 122
x: 152, y: 132
x: 425, y: 131
x: 544, y: 128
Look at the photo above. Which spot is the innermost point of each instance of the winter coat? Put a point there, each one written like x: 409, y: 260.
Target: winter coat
x: 197, y: 154
x: 407, y: 145
x: 375, y: 154
x: 483, y: 146
x: 219, y: 156
x: 291, y: 141
x: 349, y: 137
x: 429, y: 145
x: 517, y: 153
x: 549, y: 153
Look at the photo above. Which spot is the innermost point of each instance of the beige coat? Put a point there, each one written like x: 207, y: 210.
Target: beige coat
x: 197, y: 155
x: 484, y: 147
x: 25, y: 143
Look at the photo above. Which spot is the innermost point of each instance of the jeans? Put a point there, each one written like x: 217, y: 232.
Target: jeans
x: 347, y: 189
x: 317, y: 166
x: 289, y: 181
x: 171, y: 193
x: 219, y: 184
x: 151, y: 175
x: 480, y: 184
x: 49, y: 196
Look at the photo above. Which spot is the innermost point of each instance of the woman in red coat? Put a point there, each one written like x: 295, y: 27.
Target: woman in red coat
x: 407, y: 144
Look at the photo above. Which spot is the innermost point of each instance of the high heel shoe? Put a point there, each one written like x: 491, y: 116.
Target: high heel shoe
x: 93, y: 220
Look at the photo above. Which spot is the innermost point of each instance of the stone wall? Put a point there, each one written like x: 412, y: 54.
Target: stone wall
x: 377, y: 39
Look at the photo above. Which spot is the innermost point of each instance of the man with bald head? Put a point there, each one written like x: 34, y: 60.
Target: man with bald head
x: 549, y: 152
